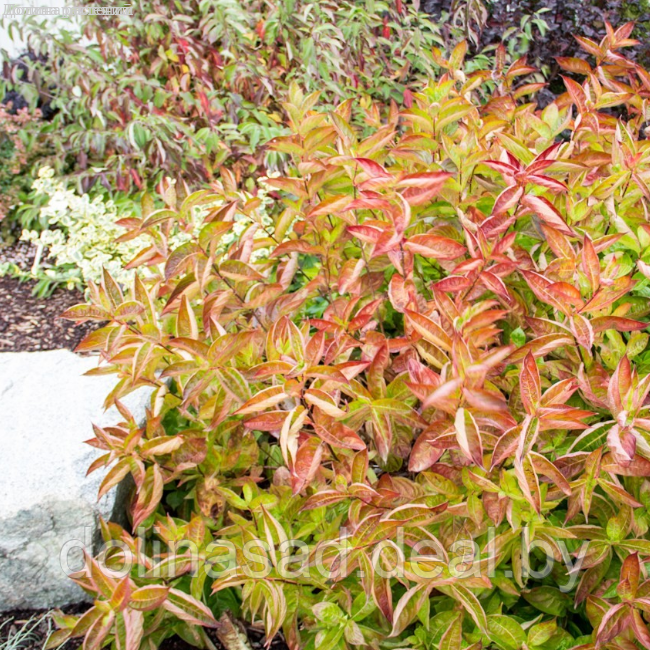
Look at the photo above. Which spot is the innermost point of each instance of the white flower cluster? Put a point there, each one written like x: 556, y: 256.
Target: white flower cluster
x: 84, y: 234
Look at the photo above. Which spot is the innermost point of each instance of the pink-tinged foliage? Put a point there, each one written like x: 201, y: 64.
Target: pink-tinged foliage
x: 435, y: 332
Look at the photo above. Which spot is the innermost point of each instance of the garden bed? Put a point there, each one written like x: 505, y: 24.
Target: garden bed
x: 25, y: 629
x: 407, y: 334
x: 29, y: 630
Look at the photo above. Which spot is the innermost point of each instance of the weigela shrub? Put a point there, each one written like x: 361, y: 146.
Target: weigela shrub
x: 561, y: 20
x: 439, y: 363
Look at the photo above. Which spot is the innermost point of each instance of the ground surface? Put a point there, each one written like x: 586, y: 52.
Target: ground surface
x: 28, y: 323
x: 29, y: 629
x: 35, y: 622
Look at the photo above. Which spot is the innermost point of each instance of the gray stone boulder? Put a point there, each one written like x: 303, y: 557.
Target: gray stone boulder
x: 48, y: 506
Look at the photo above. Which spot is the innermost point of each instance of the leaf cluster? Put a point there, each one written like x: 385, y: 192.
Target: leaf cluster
x: 430, y: 348
x: 191, y: 85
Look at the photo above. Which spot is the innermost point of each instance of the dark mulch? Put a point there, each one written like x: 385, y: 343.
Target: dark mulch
x: 11, y: 624
x: 33, y: 627
x: 12, y: 249
x: 255, y: 637
x: 28, y: 323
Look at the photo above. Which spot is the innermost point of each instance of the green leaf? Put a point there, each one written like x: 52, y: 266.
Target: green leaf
x: 548, y: 600
x: 541, y: 633
x: 506, y: 632
x: 189, y: 609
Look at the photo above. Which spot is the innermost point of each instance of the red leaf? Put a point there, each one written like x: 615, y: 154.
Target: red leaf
x: 424, y: 180
x: 468, y: 436
x: 617, y: 323
x: 426, y: 452
x: 630, y: 574
x: 547, y: 212
x: 583, y: 331
x: 507, y: 199
x: 385, y: 32
x: 324, y: 498
x: 577, y: 93
x: 530, y: 385
x: 307, y: 463
x: 590, y: 263
x: 373, y: 169
x: 528, y: 482
x: 575, y: 65
x: 453, y: 284
x: 338, y: 435
x: 434, y: 246
x: 366, y: 233
x: 605, y: 296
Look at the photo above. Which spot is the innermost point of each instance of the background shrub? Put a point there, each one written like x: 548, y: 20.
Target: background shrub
x: 189, y: 86
x: 562, y: 18
x: 20, y: 147
x: 192, y: 86
x: 180, y: 91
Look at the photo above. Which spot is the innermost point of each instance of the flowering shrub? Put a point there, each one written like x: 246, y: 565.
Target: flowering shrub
x: 439, y: 366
